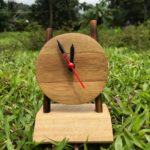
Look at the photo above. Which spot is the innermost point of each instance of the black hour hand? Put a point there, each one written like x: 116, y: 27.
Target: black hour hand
x: 72, y: 53
x: 61, y: 48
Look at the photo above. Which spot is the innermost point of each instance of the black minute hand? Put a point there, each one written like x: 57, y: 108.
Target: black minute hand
x: 72, y: 53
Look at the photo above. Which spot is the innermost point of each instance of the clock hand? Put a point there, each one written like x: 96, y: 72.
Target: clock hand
x: 61, y: 48
x: 77, y: 76
x: 72, y: 53
x: 70, y: 64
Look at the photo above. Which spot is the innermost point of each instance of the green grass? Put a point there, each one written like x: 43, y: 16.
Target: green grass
x: 127, y: 94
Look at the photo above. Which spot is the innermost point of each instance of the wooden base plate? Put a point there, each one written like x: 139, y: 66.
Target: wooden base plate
x: 77, y: 123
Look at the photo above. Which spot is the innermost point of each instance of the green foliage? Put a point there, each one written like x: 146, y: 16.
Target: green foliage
x: 35, y: 37
x: 70, y: 14
x: 20, y: 99
x: 130, y: 11
x: 13, y: 16
x: 23, y: 40
x: 56, y: 13
x: 133, y: 37
x: 20, y: 25
x: 4, y: 20
x: 9, y: 40
x: 85, y: 6
x: 100, y: 12
x: 63, y: 145
x: 127, y: 94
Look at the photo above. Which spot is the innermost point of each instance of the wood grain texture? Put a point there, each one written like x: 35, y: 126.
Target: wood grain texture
x: 58, y: 83
x: 67, y: 121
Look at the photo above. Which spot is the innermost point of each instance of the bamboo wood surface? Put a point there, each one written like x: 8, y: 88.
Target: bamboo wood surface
x: 78, y: 123
x: 58, y: 83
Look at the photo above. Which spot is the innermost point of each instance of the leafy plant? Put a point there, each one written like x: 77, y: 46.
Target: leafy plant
x: 63, y: 145
x: 100, y: 12
x: 132, y: 37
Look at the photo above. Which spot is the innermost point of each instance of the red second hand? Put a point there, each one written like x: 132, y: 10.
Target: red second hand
x: 66, y: 58
x: 74, y: 71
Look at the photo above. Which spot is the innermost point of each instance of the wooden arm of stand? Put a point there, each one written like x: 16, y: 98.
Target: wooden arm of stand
x: 47, y: 101
x: 94, y: 35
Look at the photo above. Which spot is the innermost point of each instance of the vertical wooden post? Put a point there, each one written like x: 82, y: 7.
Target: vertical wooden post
x: 94, y: 35
x: 49, y: 34
x: 46, y: 104
x: 93, y: 29
x: 98, y: 104
x: 47, y: 101
x: 76, y: 147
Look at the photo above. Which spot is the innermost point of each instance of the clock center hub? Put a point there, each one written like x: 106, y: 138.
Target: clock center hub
x: 71, y: 65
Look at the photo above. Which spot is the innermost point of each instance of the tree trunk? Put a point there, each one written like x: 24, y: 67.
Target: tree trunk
x: 50, y: 13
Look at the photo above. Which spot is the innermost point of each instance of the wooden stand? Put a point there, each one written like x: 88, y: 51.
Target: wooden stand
x: 78, y: 123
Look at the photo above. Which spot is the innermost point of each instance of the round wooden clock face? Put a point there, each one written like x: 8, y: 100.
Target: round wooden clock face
x: 61, y: 84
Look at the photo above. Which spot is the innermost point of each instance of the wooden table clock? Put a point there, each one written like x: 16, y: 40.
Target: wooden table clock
x: 72, y: 70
